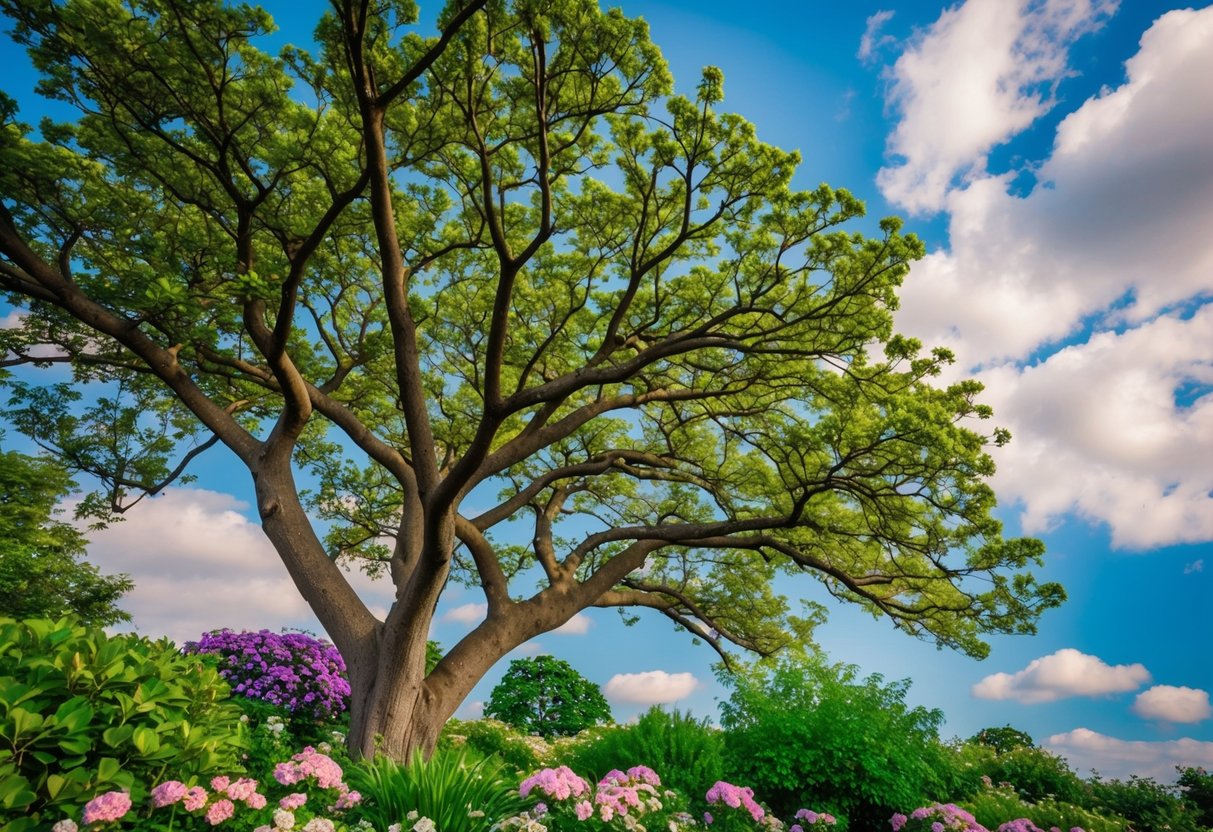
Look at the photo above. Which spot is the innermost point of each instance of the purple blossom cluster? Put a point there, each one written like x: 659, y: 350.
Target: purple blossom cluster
x: 942, y: 817
x: 735, y: 797
x: 620, y: 793
x: 807, y: 818
x: 292, y: 670
x: 556, y: 783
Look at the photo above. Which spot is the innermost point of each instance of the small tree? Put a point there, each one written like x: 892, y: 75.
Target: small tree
x: 1003, y: 739
x: 42, y: 574
x: 548, y: 697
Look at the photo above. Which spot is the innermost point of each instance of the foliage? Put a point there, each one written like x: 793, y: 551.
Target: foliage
x: 1035, y: 774
x: 1196, y: 789
x: 689, y: 752
x: 1147, y: 805
x: 547, y: 696
x: 803, y: 732
x: 42, y: 574
x: 504, y: 259
x: 82, y: 712
x: 493, y: 738
x: 455, y: 793
x: 1003, y: 739
x: 995, y: 806
x: 294, y: 671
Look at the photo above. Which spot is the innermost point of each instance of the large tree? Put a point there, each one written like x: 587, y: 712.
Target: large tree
x: 491, y: 285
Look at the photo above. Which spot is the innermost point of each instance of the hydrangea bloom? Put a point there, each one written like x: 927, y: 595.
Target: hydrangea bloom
x: 310, y: 763
x: 736, y: 797
x: 619, y: 793
x: 194, y: 799
x: 948, y: 817
x: 1019, y: 825
x: 291, y: 670
x: 293, y: 801
x: 65, y: 825
x: 168, y: 793
x: 220, y: 811
x: 106, y: 807
x: 319, y: 825
x: 557, y: 783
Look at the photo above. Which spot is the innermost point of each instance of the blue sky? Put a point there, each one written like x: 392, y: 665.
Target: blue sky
x: 1056, y: 158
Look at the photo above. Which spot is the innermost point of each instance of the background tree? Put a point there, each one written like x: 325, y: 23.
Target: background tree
x: 507, y: 259
x: 548, y: 697
x: 807, y: 733
x: 1003, y: 739
x: 42, y: 571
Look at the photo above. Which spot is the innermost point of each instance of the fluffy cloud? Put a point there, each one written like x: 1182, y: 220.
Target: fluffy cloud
x: 1173, y: 704
x: 1064, y: 673
x: 1111, y: 757
x: 1109, y: 252
x: 980, y: 74
x: 471, y: 613
x: 872, y: 40
x: 199, y: 564
x: 652, y: 687
x: 578, y: 625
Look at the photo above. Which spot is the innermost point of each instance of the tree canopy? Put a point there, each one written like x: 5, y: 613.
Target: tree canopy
x: 547, y: 696
x: 42, y: 571
x: 526, y: 314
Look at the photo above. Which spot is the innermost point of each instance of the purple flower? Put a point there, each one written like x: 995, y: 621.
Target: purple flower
x: 168, y: 793
x: 109, y: 806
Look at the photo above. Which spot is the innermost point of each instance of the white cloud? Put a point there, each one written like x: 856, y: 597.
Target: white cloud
x: 652, y: 687
x: 1064, y: 673
x: 1173, y: 704
x: 1197, y: 565
x: 1111, y: 757
x: 983, y: 72
x: 1098, y: 431
x: 471, y: 613
x: 578, y: 625
x: 871, y: 39
x: 471, y: 710
x: 199, y: 564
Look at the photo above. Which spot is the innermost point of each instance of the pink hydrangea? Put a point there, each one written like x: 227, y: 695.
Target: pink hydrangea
x: 898, y: 821
x: 736, y: 797
x: 168, y: 793
x: 583, y: 810
x: 347, y: 800
x: 807, y: 815
x: 293, y: 800
x: 309, y: 763
x: 220, y: 783
x: 319, y: 825
x: 107, y: 807
x: 242, y: 789
x: 558, y: 783
x: 220, y: 811
x: 256, y: 800
x: 194, y: 799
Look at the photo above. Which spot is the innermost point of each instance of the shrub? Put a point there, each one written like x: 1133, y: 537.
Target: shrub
x: 630, y: 801
x: 688, y: 752
x: 941, y: 816
x: 995, y: 806
x: 1036, y: 774
x: 1196, y: 791
x: 83, y: 713
x: 493, y: 738
x: 806, y: 733
x: 1147, y: 805
x: 1003, y: 739
x: 294, y: 671
x: 455, y: 793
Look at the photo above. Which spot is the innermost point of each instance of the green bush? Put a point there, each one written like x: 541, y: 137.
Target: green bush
x: 493, y: 738
x: 687, y: 753
x: 1036, y: 774
x: 82, y: 713
x: 804, y: 733
x: 1149, y: 806
x: 1196, y: 791
x: 457, y: 794
x: 995, y: 806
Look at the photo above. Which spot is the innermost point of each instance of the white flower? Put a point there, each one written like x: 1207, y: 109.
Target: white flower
x: 395, y: 827
x: 319, y: 825
x: 324, y: 748
x: 266, y: 828
x: 412, y: 815
x: 244, y: 718
x: 65, y: 825
x: 475, y: 813
x: 284, y: 819
x: 424, y: 825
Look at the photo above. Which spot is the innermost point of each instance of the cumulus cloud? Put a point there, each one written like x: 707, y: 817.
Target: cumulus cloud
x: 471, y: 613
x: 1110, y: 253
x: 1197, y: 565
x: 652, y: 687
x: 1065, y: 673
x: 872, y: 40
x: 1111, y: 757
x: 1173, y: 704
x: 578, y: 625
x: 983, y: 72
x: 200, y: 564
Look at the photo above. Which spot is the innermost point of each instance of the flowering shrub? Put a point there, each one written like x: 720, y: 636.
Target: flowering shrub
x: 937, y: 818
x: 807, y: 819
x: 631, y: 800
x: 733, y: 808
x: 291, y: 670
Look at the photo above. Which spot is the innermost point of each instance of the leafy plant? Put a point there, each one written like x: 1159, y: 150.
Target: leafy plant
x: 1196, y: 789
x: 807, y: 733
x: 82, y: 712
x: 493, y: 738
x: 688, y: 753
x: 548, y: 697
x: 454, y: 792
x: 1036, y: 774
x: 997, y: 805
x: 1148, y: 805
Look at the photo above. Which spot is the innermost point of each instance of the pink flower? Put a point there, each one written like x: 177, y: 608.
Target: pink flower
x: 242, y: 789
x: 168, y: 793
x: 194, y: 799
x: 645, y: 775
x: 347, y: 800
x: 109, y: 806
x: 220, y: 783
x: 319, y: 825
x: 707, y: 818
x: 220, y: 811
x: 807, y: 815
x: 583, y: 810
x: 897, y: 821
x: 256, y: 800
x: 293, y: 801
